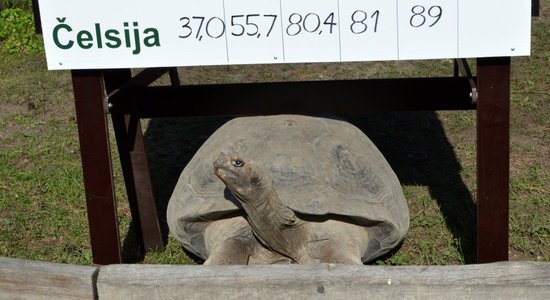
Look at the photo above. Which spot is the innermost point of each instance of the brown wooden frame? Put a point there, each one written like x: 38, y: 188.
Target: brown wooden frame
x: 128, y: 99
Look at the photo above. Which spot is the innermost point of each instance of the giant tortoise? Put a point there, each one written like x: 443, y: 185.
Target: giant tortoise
x: 288, y: 188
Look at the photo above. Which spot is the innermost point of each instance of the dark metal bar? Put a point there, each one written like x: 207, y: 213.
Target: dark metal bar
x: 174, y: 77
x: 37, y: 19
x: 116, y: 78
x: 135, y: 169
x: 464, y: 68
x: 298, y: 97
x: 535, y: 8
x: 456, y: 71
x: 146, y: 77
x: 143, y: 78
x: 96, y: 166
x: 493, y: 155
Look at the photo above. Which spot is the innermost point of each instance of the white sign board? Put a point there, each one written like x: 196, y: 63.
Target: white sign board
x: 137, y: 33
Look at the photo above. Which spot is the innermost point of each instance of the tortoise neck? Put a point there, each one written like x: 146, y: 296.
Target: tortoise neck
x: 274, y: 224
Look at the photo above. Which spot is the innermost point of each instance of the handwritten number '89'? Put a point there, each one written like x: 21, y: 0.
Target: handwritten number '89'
x: 418, y: 18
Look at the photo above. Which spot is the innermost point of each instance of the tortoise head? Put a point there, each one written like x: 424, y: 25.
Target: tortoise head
x: 244, y: 178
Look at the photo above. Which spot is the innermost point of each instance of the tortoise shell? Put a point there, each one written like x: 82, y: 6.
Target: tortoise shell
x: 320, y: 167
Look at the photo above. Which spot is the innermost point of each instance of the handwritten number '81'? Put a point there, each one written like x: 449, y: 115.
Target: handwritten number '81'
x: 419, y: 19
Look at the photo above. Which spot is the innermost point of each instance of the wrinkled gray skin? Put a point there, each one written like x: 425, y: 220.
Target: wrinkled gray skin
x: 277, y: 227
x: 288, y: 189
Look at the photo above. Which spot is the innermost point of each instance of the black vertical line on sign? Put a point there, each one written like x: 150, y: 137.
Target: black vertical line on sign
x: 225, y: 29
x: 339, y: 31
x: 397, y: 27
x: 282, y: 30
x: 457, y: 29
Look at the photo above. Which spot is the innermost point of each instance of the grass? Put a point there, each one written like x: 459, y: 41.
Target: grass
x: 42, y: 209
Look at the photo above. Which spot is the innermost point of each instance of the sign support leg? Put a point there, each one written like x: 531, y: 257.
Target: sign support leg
x: 135, y: 169
x: 493, y: 158
x: 96, y: 166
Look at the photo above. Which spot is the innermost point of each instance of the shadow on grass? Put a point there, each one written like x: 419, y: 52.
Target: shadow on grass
x: 414, y: 143
x: 170, y: 144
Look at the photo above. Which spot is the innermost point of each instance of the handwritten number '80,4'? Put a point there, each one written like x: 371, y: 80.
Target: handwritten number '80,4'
x: 418, y: 18
x: 310, y: 23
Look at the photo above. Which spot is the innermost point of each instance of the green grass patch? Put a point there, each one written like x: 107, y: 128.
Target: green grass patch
x: 42, y: 206
x: 17, y: 33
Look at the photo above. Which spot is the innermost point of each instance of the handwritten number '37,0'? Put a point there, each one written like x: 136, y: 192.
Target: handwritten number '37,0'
x: 209, y: 27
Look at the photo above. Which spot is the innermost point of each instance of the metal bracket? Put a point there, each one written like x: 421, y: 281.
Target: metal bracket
x: 143, y: 78
x: 107, y: 105
x: 462, y: 67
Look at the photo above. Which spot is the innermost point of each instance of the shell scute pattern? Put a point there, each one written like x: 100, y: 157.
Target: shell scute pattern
x: 319, y: 166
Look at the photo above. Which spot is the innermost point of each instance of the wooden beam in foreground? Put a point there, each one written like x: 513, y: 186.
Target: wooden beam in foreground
x: 505, y: 280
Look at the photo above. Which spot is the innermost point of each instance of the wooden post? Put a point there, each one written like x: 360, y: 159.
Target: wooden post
x: 493, y: 155
x: 95, y: 152
x: 135, y: 169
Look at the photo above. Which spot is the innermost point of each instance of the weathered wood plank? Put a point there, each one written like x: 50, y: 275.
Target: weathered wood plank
x: 506, y: 280
x: 24, y: 279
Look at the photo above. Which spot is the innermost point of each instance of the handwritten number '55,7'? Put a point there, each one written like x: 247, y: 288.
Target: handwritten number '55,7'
x: 250, y: 24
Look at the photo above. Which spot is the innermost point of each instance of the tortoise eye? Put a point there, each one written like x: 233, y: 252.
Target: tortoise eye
x: 237, y: 163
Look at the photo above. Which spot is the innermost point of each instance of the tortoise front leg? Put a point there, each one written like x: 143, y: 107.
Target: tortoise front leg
x: 338, y: 242
x: 233, y: 251
x: 229, y: 242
